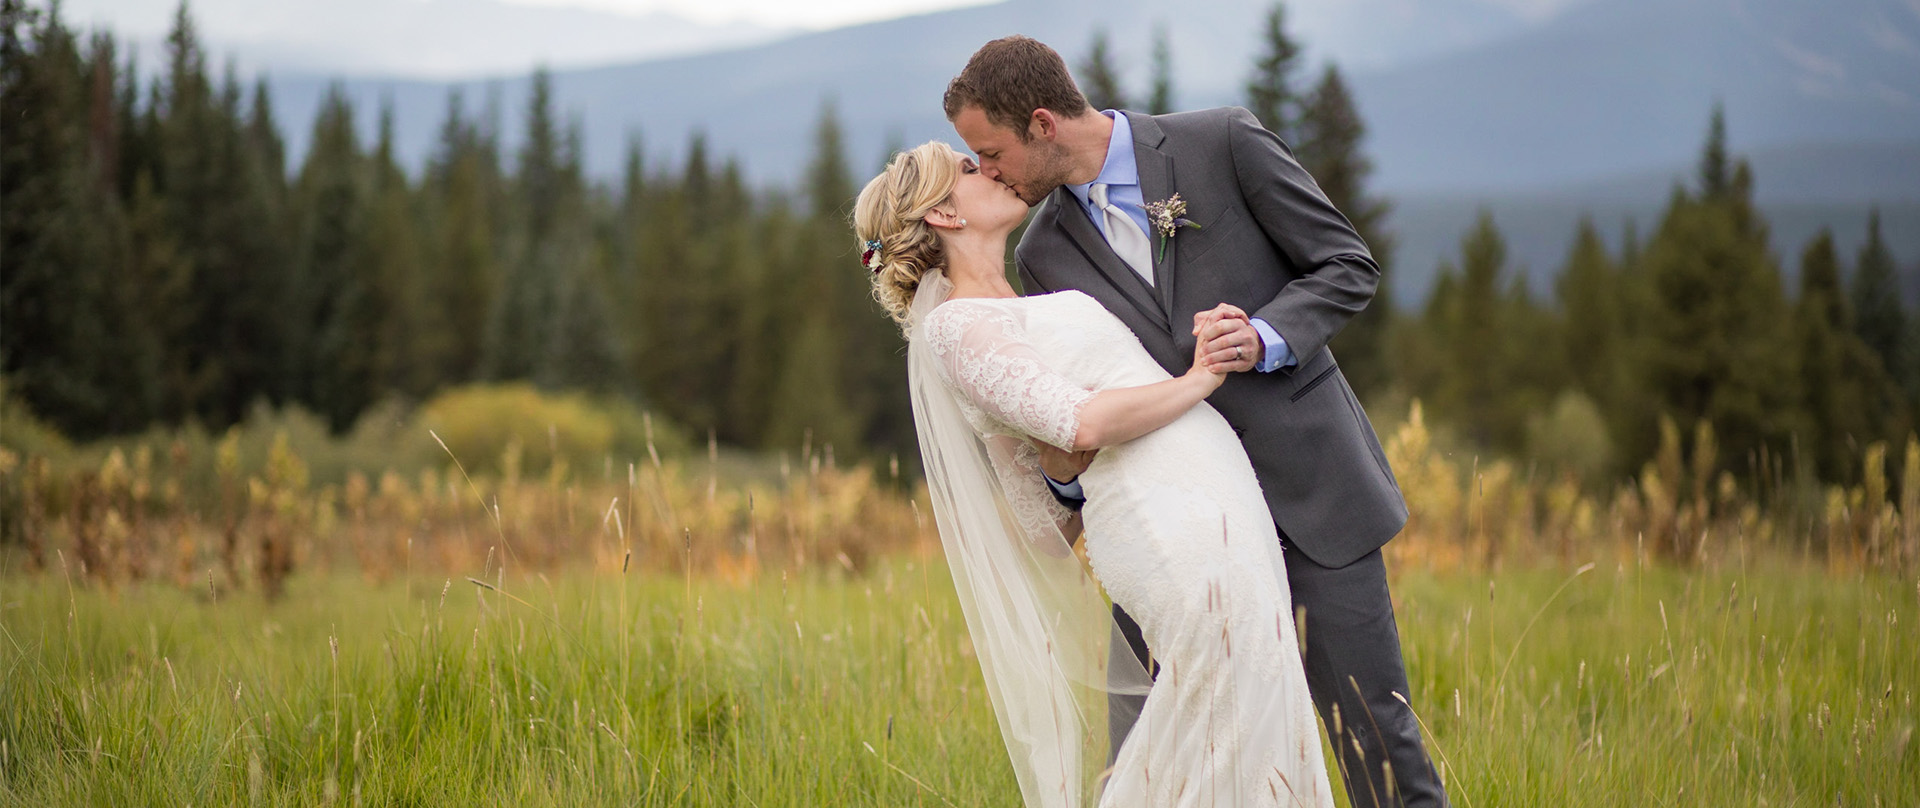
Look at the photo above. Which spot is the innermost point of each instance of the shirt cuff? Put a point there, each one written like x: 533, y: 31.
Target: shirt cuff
x: 1277, y: 355
x: 1062, y: 490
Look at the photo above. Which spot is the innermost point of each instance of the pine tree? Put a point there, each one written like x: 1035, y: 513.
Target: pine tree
x: 1160, y: 97
x: 1589, y: 297
x: 460, y: 193
x: 263, y: 140
x: 66, y: 341
x: 696, y: 181
x: 138, y: 151
x: 824, y: 389
x: 223, y: 197
x: 187, y: 137
x: 1529, y: 374
x: 662, y: 269
x: 1098, y: 79
x: 1270, y: 92
x: 260, y: 217
x: 1330, y: 131
x: 1820, y: 319
x: 525, y: 308
x: 634, y: 192
x: 407, y: 339
x: 1717, y: 345
x: 1471, y: 392
x: 1845, y: 391
x: 159, y: 277
x: 1474, y: 356
x: 583, y: 350
x: 336, y: 297
x: 1600, y: 336
x: 763, y: 294
x: 829, y: 180
x: 1716, y: 172
x: 1879, y: 319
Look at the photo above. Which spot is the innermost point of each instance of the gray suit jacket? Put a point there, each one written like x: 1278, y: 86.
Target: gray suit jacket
x: 1272, y: 244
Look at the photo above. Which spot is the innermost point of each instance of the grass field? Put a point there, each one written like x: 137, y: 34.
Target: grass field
x: 1617, y: 686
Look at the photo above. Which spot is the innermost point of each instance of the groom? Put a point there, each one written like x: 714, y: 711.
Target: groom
x: 1267, y: 273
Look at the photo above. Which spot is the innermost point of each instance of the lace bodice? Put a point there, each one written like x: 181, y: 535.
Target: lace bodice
x: 1006, y: 386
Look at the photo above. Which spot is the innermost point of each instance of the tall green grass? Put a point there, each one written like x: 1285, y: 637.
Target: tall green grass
x: 1618, y: 686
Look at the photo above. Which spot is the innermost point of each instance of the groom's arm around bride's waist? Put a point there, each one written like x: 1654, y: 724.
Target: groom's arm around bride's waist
x: 1062, y: 470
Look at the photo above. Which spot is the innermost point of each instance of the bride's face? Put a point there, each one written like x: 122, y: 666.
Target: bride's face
x: 984, y: 202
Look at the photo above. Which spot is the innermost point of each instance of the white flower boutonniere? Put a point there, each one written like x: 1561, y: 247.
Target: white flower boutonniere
x: 1168, y: 216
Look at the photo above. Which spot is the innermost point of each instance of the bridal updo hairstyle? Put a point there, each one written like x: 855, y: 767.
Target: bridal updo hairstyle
x: 892, y: 210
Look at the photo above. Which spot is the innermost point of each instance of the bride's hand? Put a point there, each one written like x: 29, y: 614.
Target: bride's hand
x: 1230, y: 342
x: 1208, y: 376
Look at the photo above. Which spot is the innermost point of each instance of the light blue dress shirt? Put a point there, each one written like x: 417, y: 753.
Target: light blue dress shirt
x: 1121, y: 173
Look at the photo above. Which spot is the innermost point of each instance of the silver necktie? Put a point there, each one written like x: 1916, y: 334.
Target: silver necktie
x: 1123, y: 234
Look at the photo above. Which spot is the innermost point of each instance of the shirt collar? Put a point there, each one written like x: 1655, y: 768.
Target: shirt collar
x: 1120, y: 168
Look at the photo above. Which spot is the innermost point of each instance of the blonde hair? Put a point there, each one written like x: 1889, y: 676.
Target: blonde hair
x: 892, y: 210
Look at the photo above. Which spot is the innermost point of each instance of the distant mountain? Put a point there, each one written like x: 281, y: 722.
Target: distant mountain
x: 1800, y: 173
x: 1541, y: 111
x: 759, y: 103
x: 438, y: 39
x: 1539, y: 223
x: 1613, y: 86
x: 1470, y: 94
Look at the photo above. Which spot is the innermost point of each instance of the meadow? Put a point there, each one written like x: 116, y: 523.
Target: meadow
x: 252, y: 619
x: 1617, y: 684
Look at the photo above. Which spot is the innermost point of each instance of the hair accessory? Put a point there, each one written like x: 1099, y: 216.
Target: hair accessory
x: 870, y: 258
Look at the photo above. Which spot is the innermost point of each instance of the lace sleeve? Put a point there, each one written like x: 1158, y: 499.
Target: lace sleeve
x: 983, y: 355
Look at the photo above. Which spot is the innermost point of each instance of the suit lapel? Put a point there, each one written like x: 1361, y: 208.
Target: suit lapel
x: 1073, y: 219
x: 1156, y: 184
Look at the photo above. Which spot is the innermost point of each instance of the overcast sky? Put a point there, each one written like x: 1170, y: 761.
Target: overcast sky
x: 146, y: 15
x: 816, y: 14
x: 465, y: 38
x: 446, y: 39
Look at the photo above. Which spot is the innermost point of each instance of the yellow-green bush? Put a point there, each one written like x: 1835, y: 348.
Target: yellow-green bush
x: 514, y: 428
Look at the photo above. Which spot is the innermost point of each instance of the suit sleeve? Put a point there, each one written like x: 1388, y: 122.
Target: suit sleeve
x: 1339, y: 274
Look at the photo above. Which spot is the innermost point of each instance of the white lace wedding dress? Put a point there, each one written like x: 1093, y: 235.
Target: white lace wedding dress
x: 1178, y: 533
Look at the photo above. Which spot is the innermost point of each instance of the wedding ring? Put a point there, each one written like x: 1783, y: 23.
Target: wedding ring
x: 1237, y: 356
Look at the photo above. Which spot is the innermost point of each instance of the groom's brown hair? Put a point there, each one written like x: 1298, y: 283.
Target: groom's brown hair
x: 1011, y: 77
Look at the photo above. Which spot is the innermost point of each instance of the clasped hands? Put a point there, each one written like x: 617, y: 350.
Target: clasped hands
x: 1226, y: 342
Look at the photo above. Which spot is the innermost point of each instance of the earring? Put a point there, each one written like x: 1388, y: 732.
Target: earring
x: 963, y: 223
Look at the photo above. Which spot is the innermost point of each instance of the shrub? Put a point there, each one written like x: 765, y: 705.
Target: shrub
x: 513, y: 428
x: 1571, y: 438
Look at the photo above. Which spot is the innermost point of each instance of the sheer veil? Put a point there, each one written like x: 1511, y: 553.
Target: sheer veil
x: 1040, y: 624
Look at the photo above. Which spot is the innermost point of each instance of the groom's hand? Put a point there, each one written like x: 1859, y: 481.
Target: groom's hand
x: 1060, y: 465
x: 1228, y: 341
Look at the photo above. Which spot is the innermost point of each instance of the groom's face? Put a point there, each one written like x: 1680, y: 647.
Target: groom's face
x: 1032, y: 167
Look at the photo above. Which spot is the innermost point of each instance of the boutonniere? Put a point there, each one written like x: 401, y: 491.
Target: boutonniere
x: 1168, y: 216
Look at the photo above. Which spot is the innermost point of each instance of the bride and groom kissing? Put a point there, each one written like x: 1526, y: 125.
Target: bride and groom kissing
x: 1165, y: 387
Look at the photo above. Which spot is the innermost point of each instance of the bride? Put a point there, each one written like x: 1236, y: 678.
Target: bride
x: 1178, y: 533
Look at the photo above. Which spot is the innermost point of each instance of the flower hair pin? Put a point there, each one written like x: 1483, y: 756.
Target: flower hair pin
x: 870, y: 258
